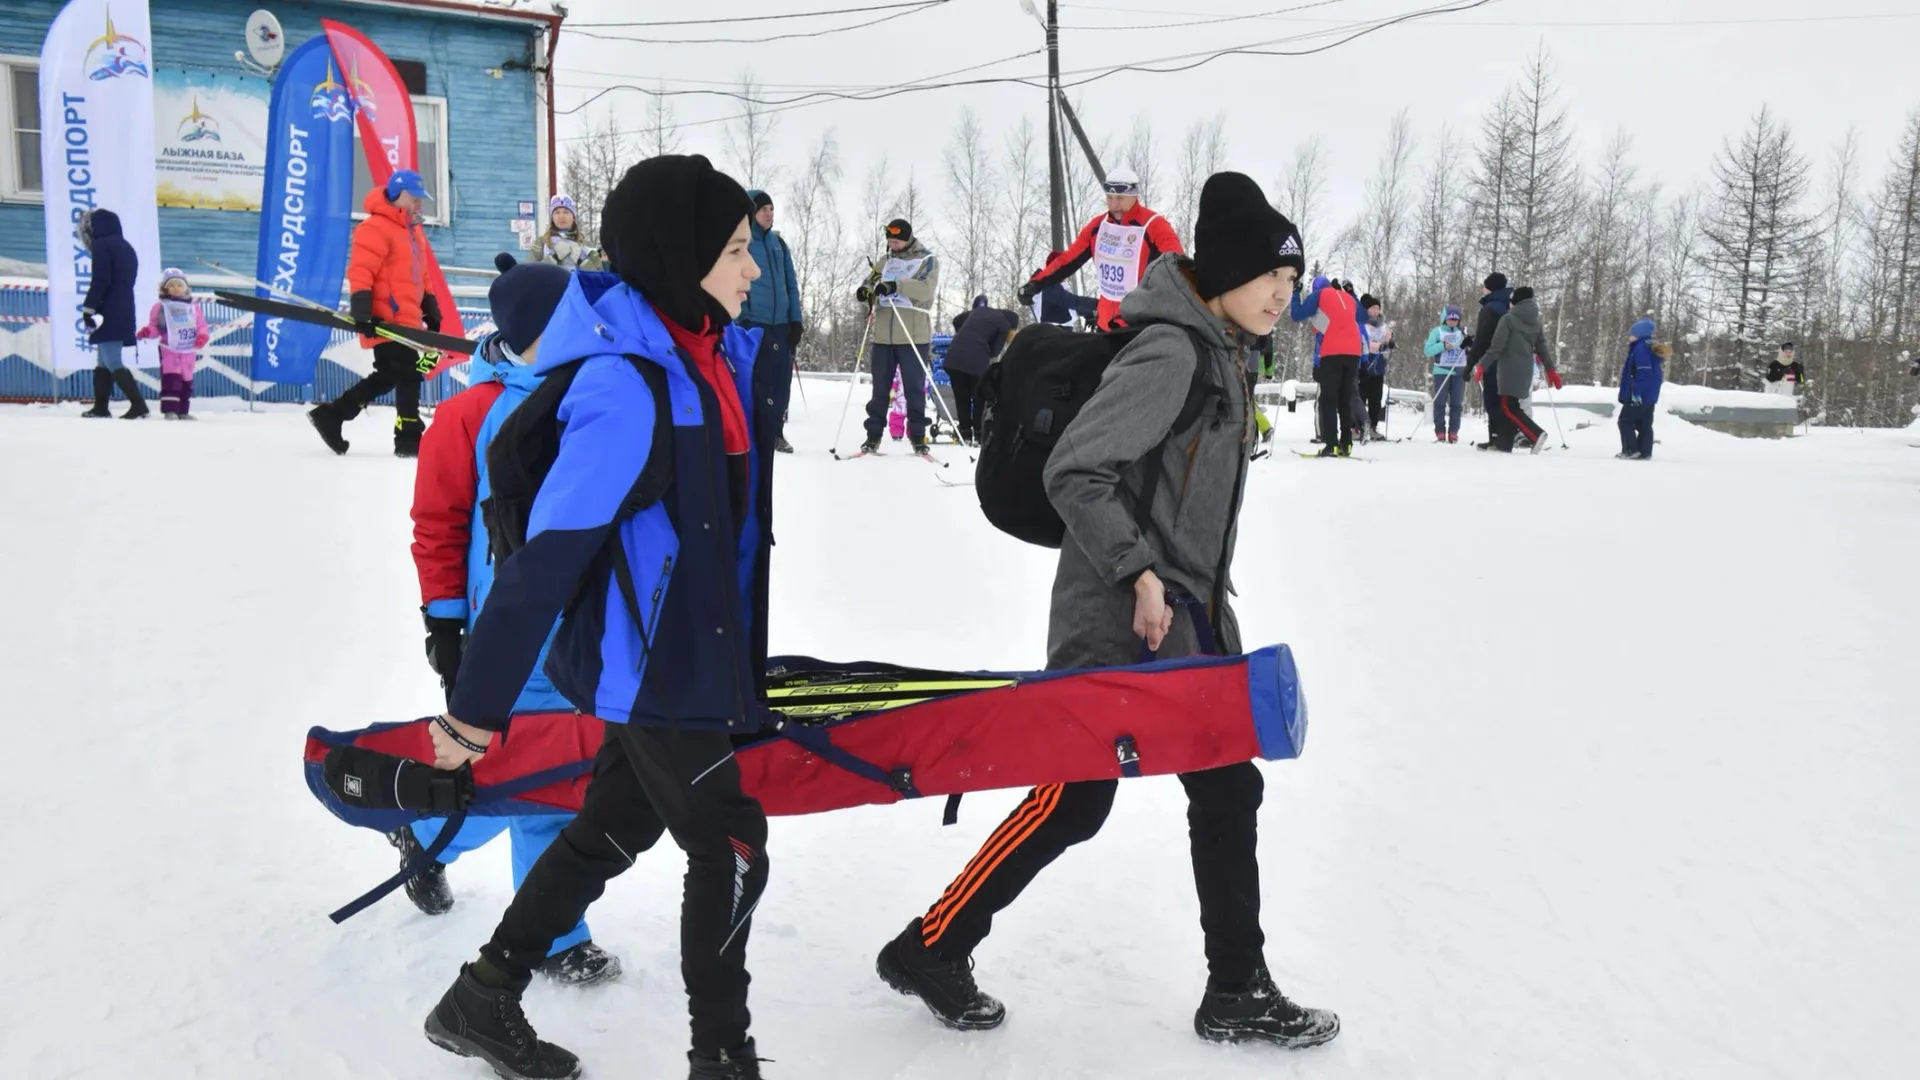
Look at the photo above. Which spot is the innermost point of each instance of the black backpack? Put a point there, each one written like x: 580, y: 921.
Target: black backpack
x: 1033, y: 392
x: 524, y: 449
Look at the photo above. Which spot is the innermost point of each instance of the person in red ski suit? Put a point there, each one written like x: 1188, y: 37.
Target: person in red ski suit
x: 1121, y: 242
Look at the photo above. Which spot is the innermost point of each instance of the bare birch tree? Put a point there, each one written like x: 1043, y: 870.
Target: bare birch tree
x: 1388, y: 216
x: 749, y: 136
x: 973, y: 198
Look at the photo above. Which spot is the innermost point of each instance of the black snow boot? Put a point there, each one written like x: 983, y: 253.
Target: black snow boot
x: 1261, y: 1013
x: 586, y: 964
x: 871, y: 446
x: 477, y: 1020
x: 740, y: 1063
x: 428, y: 889
x: 102, y: 393
x: 137, y: 410
x: 781, y: 445
x: 326, y: 419
x: 946, y: 986
x: 406, y: 436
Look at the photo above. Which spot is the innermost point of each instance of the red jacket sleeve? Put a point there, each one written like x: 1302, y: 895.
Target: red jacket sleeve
x: 1162, y: 238
x: 444, y: 485
x: 1071, y: 259
x: 369, y: 251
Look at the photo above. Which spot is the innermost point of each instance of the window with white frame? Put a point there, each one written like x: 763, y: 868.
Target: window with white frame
x: 20, y: 124
x: 430, y: 132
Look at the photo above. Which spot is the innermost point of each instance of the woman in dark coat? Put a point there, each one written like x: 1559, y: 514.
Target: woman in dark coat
x: 108, y: 311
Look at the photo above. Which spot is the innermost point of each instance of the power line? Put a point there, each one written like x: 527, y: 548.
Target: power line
x: 1215, y: 17
x: 912, y: 9
x: 1093, y: 74
x: 752, y: 18
x: 818, y: 97
x: 1207, y: 22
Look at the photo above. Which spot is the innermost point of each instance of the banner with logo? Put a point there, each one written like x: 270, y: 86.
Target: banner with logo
x: 306, y: 220
x: 384, y: 111
x: 96, y: 71
x: 210, y: 129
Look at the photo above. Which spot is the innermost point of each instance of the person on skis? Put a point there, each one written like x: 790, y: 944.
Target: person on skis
x: 1446, y: 347
x: 900, y: 292
x: 1519, y: 339
x: 1339, y: 342
x: 1374, y: 363
x: 774, y: 308
x: 1121, y: 242
x: 664, y: 634
x: 387, y: 279
x: 451, y: 556
x: 1130, y: 585
x: 979, y: 334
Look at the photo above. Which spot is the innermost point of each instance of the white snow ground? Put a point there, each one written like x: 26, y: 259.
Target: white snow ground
x: 1611, y: 771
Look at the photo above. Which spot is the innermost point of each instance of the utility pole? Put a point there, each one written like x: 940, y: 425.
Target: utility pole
x: 1056, y: 179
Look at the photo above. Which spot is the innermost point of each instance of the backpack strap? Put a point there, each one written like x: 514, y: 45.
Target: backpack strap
x: 1198, y: 391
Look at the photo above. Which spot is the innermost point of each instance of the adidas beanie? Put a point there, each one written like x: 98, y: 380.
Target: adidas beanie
x: 1240, y: 236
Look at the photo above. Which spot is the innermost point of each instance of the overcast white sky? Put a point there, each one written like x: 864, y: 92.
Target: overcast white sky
x: 1679, y: 75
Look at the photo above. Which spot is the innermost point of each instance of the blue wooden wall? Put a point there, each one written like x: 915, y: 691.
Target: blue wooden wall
x: 490, y: 122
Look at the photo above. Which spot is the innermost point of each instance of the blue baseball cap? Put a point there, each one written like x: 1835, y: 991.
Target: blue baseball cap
x: 407, y: 182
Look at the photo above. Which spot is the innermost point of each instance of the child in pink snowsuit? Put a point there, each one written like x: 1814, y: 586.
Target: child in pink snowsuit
x: 182, y: 329
x: 897, y: 416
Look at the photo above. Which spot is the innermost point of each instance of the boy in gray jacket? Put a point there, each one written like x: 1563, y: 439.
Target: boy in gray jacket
x: 1122, y: 593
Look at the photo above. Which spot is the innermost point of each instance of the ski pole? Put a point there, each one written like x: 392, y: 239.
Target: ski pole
x: 378, y: 331
x: 853, y: 380
x: 939, y: 403
x: 1555, y: 406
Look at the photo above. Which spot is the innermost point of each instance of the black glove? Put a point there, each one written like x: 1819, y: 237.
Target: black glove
x: 886, y: 288
x: 864, y: 294
x: 799, y: 332
x: 446, y: 640
x: 1028, y: 291
x: 360, y: 306
x: 430, y: 311
x: 87, y: 316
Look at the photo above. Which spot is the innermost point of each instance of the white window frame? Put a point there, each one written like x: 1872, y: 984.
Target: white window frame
x: 440, y: 210
x: 10, y: 190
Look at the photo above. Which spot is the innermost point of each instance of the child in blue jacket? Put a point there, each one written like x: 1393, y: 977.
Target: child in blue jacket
x: 1640, y: 382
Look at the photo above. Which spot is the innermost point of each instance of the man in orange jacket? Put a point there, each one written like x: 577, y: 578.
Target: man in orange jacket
x: 386, y: 278
x: 1121, y: 242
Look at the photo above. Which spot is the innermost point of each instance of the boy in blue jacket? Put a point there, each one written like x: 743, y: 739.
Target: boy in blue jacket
x: 665, y: 613
x: 1640, y: 382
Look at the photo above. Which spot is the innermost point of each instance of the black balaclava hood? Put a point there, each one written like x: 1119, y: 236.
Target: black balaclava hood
x: 665, y: 225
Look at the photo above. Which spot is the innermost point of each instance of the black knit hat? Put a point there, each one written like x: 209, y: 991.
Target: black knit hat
x: 665, y: 225
x: 1496, y: 280
x: 1240, y: 236
x: 1369, y: 301
x: 900, y: 229
x: 524, y: 297
x: 760, y: 199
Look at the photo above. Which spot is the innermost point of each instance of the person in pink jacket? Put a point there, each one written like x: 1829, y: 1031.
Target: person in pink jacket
x: 181, y: 327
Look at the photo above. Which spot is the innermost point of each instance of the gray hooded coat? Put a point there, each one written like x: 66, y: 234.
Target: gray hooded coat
x: 1519, y: 338
x: 1096, y: 469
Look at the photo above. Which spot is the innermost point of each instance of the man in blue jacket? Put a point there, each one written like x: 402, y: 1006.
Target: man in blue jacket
x: 773, y: 307
x: 108, y: 311
x: 664, y: 634
x: 1640, y: 382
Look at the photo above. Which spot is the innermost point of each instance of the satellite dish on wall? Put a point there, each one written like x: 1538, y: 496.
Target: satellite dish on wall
x: 266, y: 43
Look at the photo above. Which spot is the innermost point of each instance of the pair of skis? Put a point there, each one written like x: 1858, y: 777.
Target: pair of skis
x: 428, y: 344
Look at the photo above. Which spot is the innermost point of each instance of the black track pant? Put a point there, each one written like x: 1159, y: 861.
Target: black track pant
x: 966, y: 403
x: 1515, y: 423
x: 647, y: 780
x: 1339, y: 384
x: 1222, y: 825
x: 393, y: 369
x: 1373, y: 391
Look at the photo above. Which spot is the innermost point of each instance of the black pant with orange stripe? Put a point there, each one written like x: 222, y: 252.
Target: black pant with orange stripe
x: 1515, y: 423
x: 1222, y: 825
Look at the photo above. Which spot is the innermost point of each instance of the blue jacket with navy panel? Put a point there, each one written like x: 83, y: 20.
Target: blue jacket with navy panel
x: 679, y: 638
